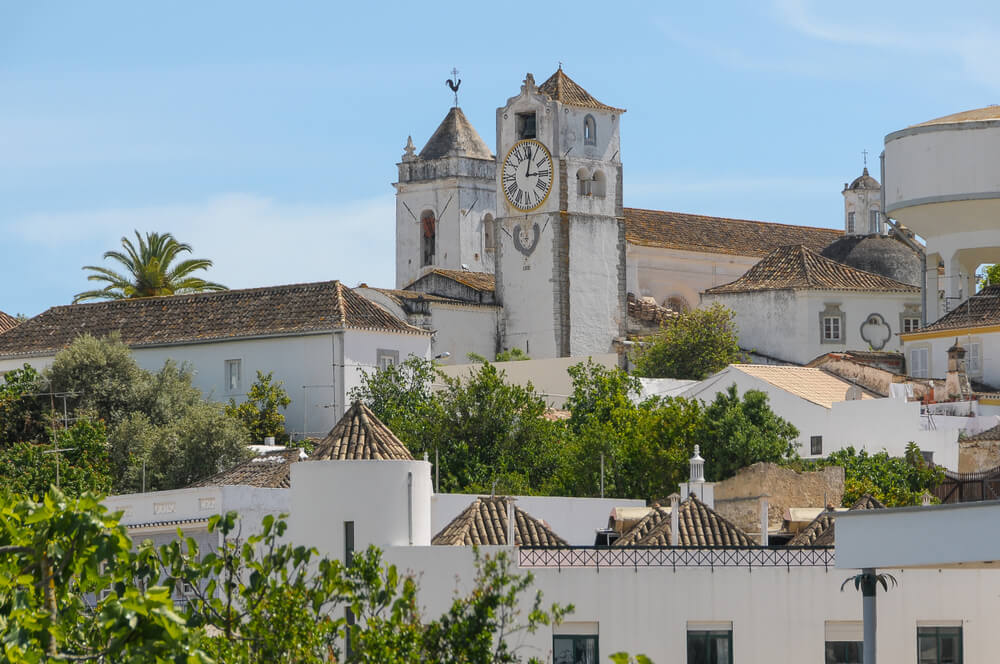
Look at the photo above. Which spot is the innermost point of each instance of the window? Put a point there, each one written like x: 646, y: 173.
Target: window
x: 815, y: 445
x: 525, y: 126
x: 583, y: 182
x: 974, y: 357
x: 574, y: 649
x: 589, y: 131
x: 910, y: 324
x: 488, y: 233
x: 428, y: 237
x: 844, y: 642
x: 850, y: 222
x: 831, y: 328
x: 598, y: 187
x: 939, y: 645
x: 386, y: 358
x: 918, y: 363
x: 234, y: 369
x: 709, y: 645
x: 873, y: 222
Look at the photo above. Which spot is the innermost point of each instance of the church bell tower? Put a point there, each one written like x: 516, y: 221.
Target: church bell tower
x: 560, y: 231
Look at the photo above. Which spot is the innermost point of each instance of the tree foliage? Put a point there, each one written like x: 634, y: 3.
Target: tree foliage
x: 989, y: 275
x: 895, y: 481
x: 149, y: 270
x: 692, y: 346
x: 260, y: 414
x: 81, y: 463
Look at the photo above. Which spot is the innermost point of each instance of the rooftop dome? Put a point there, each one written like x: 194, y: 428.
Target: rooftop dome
x: 864, y: 181
x: 991, y: 112
x: 884, y: 255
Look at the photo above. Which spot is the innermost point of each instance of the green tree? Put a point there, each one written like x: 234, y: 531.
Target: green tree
x: 736, y: 433
x: 80, y: 465
x: 895, y: 481
x: 150, y: 270
x: 692, y: 346
x: 55, y: 557
x: 260, y: 412
x: 400, y: 395
x: 22, y: 409
x: 989, y: 275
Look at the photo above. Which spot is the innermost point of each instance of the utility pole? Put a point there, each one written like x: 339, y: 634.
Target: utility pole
x: 56, y: 451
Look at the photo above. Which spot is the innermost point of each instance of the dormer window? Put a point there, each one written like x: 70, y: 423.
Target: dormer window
x: 526, y: 126
x: 589, y: 130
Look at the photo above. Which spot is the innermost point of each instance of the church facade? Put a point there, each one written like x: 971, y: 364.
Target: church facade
x: 532, y: 248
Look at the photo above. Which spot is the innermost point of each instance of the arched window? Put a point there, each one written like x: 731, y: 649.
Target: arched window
x: 589, y: 130
x: 583, y: 182
x: 488, y: 232
x: 428, y: 237
x: 599, y: 186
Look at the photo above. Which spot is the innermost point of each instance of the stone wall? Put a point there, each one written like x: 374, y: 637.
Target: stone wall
x: 976, y: 455
x: 737, y: 498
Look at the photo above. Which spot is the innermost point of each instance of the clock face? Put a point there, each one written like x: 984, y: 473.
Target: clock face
x: 527, y: 175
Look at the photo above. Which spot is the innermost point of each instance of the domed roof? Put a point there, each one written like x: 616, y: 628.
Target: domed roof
x: 864, y: 181
x: 880, y: 254
x: 987, y: 113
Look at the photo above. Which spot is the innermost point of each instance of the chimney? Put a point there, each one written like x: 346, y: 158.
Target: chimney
x: 697, y: 467
x: 675, y: 519
x: 510, y: 522
x: 696, y: 484
x: 956, y: 382
x: 763, y: 519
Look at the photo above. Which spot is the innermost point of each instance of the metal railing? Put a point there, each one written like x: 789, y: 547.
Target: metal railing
x: 597, y: 557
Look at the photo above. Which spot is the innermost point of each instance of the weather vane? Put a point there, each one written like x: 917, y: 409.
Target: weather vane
x: 453, y: 83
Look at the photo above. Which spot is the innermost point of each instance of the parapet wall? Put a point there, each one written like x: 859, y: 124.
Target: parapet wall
x: 737, y: 498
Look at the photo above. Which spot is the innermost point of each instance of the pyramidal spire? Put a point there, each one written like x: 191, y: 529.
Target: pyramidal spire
x: 456, y: 137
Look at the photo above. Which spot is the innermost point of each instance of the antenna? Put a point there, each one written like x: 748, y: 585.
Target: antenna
x: 454, y: 82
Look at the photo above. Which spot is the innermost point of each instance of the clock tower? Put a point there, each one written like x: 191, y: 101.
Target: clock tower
x: 560, y: 231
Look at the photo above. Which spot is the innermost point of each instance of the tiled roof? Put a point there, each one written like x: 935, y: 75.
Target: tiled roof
x: 563, y: 89
x: 796, y: 267
x: 482, y: 281
x: 400, y: 296
x: 456, y: 136
x: 484, y: 522
x: 7, y: 322
x: 360, y: 435
x: 976, y: 115
x: 271, y: 470
x: 821, y: 531
x: 980, y: 310
x: 698, y: 525
x: 991, y: 434
x: 718, y: 235
x: 812, y: 384
x: 271, y: 311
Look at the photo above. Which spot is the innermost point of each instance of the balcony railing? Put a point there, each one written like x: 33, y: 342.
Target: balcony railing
x: 560, y: 557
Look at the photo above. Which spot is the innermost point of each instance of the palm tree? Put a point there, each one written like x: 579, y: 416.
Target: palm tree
x: 149, y: 271
x: 868, y: 582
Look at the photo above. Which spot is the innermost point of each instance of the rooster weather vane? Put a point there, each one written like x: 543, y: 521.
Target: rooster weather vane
x: 454, y: 82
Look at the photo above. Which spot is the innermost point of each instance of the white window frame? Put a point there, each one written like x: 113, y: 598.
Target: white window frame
x: 874, y: 221
x: 850, y: 222
x: 832, y: 331
x: 974, y: 358
x: 227, y: 376
x: 911, y: 324
x: 385, y: 358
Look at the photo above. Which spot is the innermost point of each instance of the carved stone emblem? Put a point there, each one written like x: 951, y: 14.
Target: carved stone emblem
x: 875, y: 331
x: 524, y: 241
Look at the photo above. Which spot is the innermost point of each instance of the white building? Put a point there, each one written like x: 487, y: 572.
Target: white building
x: 316, y: 338
x: 832, y: 413
x: 795, y: 305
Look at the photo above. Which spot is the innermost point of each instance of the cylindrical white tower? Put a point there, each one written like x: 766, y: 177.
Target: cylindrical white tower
x: 942, y: 180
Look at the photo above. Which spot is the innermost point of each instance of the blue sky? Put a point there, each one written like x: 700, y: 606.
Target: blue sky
x: 266, y: 135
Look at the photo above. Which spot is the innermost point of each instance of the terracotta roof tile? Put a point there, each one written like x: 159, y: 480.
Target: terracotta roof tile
x: 698, y: 525
x: 821, y: 531
x: 360, y: 435
x: 812, y: 384
x: 989, y: 435
x: 400, y: 296
x: 484, y: 522
x: 271, y: 470
x: 976, y: 115
x: 718, y: 235
x: 565, y: 90
x: 482, y: 281
x: 797, y: 267
x: 7, y: 322
x: 980, y: 310
x: 275, y: 310
x: 456, y: 136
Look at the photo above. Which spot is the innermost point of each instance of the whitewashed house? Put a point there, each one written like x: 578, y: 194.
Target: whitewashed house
x: 795, y: 305
x: 832, y: 413
x: 315, y: 337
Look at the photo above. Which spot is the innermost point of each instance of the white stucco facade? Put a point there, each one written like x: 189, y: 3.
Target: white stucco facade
x: 788, y: 325
x: 675, y: 276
